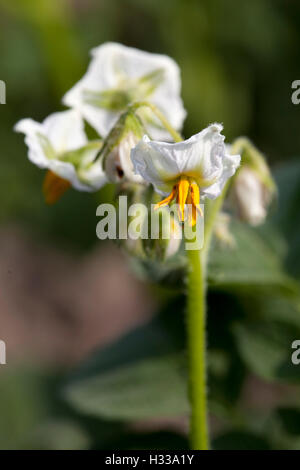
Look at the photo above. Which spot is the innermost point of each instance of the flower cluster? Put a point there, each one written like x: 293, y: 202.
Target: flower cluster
x: 132, y: 100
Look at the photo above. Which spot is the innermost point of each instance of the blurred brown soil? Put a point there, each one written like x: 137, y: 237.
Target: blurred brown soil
x: 56, y: 308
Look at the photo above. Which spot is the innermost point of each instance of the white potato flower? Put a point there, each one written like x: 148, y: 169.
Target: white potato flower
x: 185, y: 171
x: 119, y: 76
x: 60, y: 145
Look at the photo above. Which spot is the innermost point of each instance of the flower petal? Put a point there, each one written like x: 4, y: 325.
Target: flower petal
x: 230, y: 164
x: 65, y: 130
x: 59, y: 137
x: 54, y: 187
x: 94, y: 176
x: 157, y: 163
x: 125, y: 147
x: 115, y: 67
x: 39, y: 146
x: 201, y: 158
x: 59, y: 133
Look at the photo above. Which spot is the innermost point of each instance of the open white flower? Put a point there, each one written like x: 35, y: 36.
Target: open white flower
x: 60, y: 145
x: 118, y: 76
x: 185, y: 171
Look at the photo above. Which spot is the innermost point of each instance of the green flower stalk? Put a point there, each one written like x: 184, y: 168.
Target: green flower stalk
x: 196, y: 328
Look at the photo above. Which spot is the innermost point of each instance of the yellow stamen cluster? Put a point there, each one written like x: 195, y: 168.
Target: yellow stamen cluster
x: 185, y: 191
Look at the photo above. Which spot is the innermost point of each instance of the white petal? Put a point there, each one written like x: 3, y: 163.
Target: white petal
x: 95, y: 177
x: 66, y: 170
x: 60, y: 132
x: 36, y: 142
x: 65, y: 130
x: 112, y: 63
x: 89, y: 175
x: 203, y: 157
x: 157, y: 163
x: 230, y: 164
x: 202, y: 154
x: 125, y: 147
x: 118, y: 164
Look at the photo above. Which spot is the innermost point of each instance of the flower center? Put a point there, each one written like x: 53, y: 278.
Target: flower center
x: 128, y: 91
x: 185, y: 191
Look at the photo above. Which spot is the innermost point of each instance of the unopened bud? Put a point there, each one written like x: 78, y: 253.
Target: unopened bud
x: 118, y: 165
x: 253, y: 187
x: 164, y: 239
x: 116, y: 158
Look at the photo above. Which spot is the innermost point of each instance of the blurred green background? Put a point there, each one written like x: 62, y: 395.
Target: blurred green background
x: 58, y: 296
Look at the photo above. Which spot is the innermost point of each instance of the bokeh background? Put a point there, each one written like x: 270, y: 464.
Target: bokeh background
x: 63, y: 293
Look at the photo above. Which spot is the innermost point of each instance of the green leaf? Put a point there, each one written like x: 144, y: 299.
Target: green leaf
x: 288, y: 180
x: 61, y: 434
x: 290, y: 420
x: 264, y: 338
x: 240, y: 440
x: 138, y: 391
x: 150, y: 441
x: 252, y: 263
x: 287, y: 217
x: 265, y: 346
x: 140, y: 376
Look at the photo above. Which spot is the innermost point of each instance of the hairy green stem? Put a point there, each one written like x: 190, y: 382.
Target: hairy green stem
x: 196, y: 320
x: 196, y: 309
x: 196, y: 328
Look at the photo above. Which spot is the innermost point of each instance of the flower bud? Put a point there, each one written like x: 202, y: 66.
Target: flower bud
x: 160, y: 232
x: 168, y: 239
x: 118, y: 165
x: 124, y: 137
x: 253, y: 187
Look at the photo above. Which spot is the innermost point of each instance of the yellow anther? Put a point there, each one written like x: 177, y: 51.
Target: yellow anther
x: 54, y: 187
